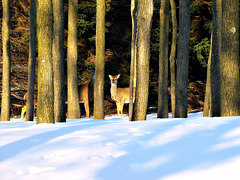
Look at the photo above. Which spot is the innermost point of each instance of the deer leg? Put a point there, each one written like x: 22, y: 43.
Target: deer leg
x: 121, y: 108
x: 86, y: 105
x: 118, y: 107
x: 23, y: 112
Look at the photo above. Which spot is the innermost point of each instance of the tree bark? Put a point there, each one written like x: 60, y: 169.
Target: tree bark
x: 215, y: 61
x: 58, y: 61
x: 73, y: 111
x: 31, y: 62
x: 183, y: 59
x: 100, y: 61
x: 163, y: 61
x: 134, y: 6
x: 45, y: 112
x: 173, y: 56
x: 229, y: 59
x: 207, y: 99
x: 144, y: 18
x: 6, y: 77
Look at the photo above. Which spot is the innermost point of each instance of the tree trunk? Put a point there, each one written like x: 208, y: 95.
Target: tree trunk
x: 183, y: 59
x: 133, y: 57
x: 100, y: 61
x: 172, y: 57
x: 215, y: 65
x: 163, y: 61
x: 144, y: 18
x: 73, y: 111
x: 58, y: 61
x: 31, y: 62
x: 229, y: 59
x: 207, y: 100
x: 6, y: 77
x: 45, y: 112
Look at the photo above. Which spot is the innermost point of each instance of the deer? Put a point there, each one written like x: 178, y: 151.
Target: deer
x: 24, y: 108
x: 86, y: 94
x: 119, y: 95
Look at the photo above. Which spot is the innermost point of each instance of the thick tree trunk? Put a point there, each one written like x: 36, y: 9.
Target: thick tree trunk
x: 58, y: 61
x: 207, y: 100
x: 229, y: 59
x: 172, y: 57
x: 163, y: 61
x: 133, y: 57
x: 45, y: 111
x: 100, y: 62
x: 144, y: 18
x: 215, y: 65
x: 183, y: 59
x: 6, y: 77
x: 73, y: 111
x: 31, y: 62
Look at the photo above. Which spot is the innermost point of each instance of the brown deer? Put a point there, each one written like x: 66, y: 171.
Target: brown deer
x: 86, y: 94
x: 119, y: 95
x: 24, y: 109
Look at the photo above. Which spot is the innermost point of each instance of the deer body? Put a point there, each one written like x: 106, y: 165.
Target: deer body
x: 86, y: 94
x: 119, y: 95
x: 24, y: 109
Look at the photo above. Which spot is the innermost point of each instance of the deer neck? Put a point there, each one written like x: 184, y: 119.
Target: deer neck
x: 113, y: 91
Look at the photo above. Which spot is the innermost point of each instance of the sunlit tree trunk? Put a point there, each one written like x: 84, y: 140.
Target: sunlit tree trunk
x: 163, y: 61
x: 6, y: 78
x: 45, y: 103
x: 144, y: 21
x: 73, y: 111
x: 31, y: 62
x: 229, y: 59
x: 133, y: 57
x: 58, y: 61
x: 183, y: 59
x: 100, y: 62
x: 207, y: 99
x: 173, y: 56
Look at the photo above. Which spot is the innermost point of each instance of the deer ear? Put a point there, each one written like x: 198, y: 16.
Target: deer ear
x: 118, y: 76
x: 110, y: 76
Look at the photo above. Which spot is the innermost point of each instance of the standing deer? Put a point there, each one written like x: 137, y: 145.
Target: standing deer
x: 24, y: 109
x: 119, y: 95
x: 86, y: 94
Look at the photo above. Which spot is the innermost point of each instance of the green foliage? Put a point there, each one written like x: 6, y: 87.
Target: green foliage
x: 202, y: 51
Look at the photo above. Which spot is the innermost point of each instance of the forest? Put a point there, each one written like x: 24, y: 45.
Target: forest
x: 118, y: 33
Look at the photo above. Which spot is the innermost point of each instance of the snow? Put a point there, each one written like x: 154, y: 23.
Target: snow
x: 195, y: 148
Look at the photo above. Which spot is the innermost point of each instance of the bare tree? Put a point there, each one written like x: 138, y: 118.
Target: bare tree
x: 183, y: 59
x: 100, y: 62
x: 73, y: 111
x: 163, y: 61
x: 144, y: 21
x: 31, y: 62
x: 58, y: 61
x: 173, y: 56
x: 45, y: 100
x: 6, y: 77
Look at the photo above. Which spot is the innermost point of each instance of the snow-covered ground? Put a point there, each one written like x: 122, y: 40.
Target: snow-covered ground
x: 195, y: 148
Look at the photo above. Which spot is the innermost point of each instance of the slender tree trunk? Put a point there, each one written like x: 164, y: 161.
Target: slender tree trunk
x: 31, y: 62
x: 45, y: 112
x: 144, y: 18
x: 172, y: 57
x: 163, y: 61
x: 207, y: 100
x: 215, y: 65
x: 6, y: 77
x: 229, y: 59
x: 73, y: 111
x: 58, y: 61
x: 183, y: 59
x: 134, y: 5
x: 100, y: 62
